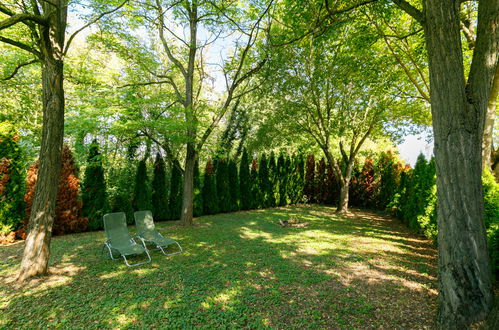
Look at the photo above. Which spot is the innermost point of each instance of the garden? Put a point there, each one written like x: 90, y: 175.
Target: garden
x: 319, y: 164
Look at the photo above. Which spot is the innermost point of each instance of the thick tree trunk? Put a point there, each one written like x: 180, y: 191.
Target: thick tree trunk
x: 343, y: 203
x: 458, y: 116
x: 488, y: 134
x: 187, y: 197
x: 36, y: 252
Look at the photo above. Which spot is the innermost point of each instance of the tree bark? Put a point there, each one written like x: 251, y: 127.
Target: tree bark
x: 187, y: 197
x: 37, y: 248
x: 458, y: 111
x: 488, y: 134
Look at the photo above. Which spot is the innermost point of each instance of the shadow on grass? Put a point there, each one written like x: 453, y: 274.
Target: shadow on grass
x: 239, y: 270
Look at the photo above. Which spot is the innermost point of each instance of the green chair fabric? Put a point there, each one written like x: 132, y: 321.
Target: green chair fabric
x: 118, y: 238
x: 148, y: 234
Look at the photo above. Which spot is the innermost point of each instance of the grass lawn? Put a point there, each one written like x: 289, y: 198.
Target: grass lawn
x: 239, y: 270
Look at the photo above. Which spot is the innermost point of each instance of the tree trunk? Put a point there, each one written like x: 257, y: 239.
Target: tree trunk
x: 36, y: 252
x: 458, y: 115
x: 488, y: 134
x: 187, y: 197
x: 343, y: 203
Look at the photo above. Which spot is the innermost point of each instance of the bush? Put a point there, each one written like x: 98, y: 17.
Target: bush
x: 197, y: 198
x: 310, y: 184
x: 175, y: 203
x: 282, y: 180
x: 255, y: 195
x: 272, y: 181
x: 244, y: 182
x: 362, y: 187
x: 120, y: 191
x: 264, y: 182
x: 233, y: 186
x: 94, y: 189
x: 388, y: 169
x: 159, y: 190
x: 209, y: 192
x: 491, y: 207
x: 222, y: 182
x: 68, y: 210
x: 142, y: 193
x: 11, y: 180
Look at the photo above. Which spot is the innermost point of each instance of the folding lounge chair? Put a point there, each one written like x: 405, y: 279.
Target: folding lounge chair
x: 148, y: 234
x: 119, y: 239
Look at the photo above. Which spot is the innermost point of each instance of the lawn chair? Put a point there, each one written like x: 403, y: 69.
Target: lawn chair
x: 119, y: 239
x: 148, y: 234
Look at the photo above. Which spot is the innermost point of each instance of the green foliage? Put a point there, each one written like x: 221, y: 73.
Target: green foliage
x: 94, y: 194
x: 256, y: 192
x: 388, y: 169
x: 244, y: 182
x: 197, y: 198
x: 310, y: 183
x: 362, y: 188
x: 491, y: 206
x: 209, y: 192
x: 222, y: 182
x: 296, y: 182
x: 175, y: 201
x: 233, y: 186
x: 282, y: 179
x: 272, y: 168
x: 415, y: 202
x: 264, y: 182
x: 159, y: 190
x: 320, y: 188
x: 142, y: 193
x: 120, y: 190
x: 11, y: 180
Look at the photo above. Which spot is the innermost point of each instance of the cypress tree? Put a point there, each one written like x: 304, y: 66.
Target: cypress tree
x: 175, y: 201
x: 11, y: 180
x: 159, y: 191
x: 309, y: 186
x: 320, y: 188
x: 222, y: 180
x: 244, y: 182
x: 141, y: 195
x: 198, y: 198
x: 263, y: 176
x: 272, y: 180
x: 282, y: 179
x: 233, y: 186
x: 209, y: 192
x: 94, y: 189
x: 255, y: 186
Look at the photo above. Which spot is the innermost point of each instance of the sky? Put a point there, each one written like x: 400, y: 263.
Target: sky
x: 413, y: 145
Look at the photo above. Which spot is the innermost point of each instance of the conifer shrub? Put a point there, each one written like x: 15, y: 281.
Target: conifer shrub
x: 282, y: 180
x: 389, y: 176
x: 142, y: 193
x: 197, y: 198
x: 120, y: 191
x: 11, y: 181
x: 209, y: 192
x: 233, y: 186
x: 297, y: 179
x: 68, y: 210
x: 272, y: 168
x: 264, y: 182
x: 159, y: 190
x: 255, y: 196
x: 175, y: 200
x: 362, y: 187
x: 320, y: 182
x: 310, y: 184
x: 222, y: 181
x: 491, y: 208
x: 93, y: 195
x: 332, y: 190
x: 244, y: 182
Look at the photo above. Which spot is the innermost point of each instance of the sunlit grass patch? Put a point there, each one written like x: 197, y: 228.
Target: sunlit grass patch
x: 238, y: 270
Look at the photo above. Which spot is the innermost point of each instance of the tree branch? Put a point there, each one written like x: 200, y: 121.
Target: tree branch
x: 22, y: 18
x: 20, y: 45
x: 19, y: 66
x: 411, y: 10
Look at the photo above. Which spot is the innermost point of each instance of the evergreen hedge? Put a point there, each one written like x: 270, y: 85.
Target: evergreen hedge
x: 159, y: 190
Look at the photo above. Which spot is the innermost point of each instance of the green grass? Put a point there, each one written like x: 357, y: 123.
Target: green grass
x: 239, y: 270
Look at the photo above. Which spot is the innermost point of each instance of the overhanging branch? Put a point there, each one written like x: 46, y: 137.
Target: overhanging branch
x: 17, y: 68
